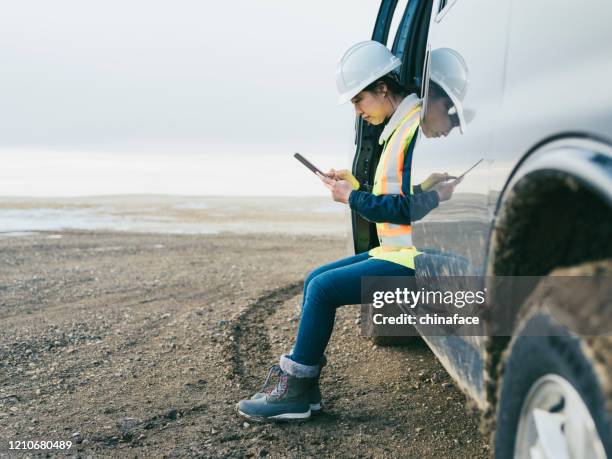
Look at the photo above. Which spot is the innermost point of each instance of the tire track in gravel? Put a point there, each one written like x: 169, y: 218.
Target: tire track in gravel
x: 246, y: 335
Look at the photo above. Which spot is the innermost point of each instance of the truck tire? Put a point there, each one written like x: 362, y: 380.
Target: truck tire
x: 555, y: 387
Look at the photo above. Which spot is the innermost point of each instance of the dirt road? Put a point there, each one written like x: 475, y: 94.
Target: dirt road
x: 134, y: 345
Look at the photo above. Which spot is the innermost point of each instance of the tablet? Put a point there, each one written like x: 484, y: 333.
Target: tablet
x: 307, y: 163
x: 477, y: 163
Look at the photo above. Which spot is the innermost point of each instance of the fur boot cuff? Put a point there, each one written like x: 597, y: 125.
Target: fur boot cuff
x: 297, y: 369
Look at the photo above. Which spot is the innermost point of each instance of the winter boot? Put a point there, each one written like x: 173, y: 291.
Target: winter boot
x: 314, y: 394
x: 288, y: 400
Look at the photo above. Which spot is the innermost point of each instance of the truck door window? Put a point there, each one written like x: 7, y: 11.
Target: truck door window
x: 411, y: 41
x: 398, y: 14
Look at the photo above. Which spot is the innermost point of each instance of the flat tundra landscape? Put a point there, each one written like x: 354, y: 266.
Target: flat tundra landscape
x: 139, y: 345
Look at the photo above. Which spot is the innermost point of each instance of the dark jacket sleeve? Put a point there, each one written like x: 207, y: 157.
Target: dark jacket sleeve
x: 422, y: 203
x: 395, y: 208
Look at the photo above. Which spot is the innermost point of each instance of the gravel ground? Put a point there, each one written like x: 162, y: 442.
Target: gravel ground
x: 139, y: 345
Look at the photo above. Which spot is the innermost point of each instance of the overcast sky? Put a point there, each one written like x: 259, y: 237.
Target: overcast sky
x: 163, y: 78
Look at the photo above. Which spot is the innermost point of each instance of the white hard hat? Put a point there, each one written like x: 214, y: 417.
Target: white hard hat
x: 361, y: 65
x: 449, y: 71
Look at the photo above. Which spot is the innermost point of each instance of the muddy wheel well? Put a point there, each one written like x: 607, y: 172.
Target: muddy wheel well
x: 549, y: 220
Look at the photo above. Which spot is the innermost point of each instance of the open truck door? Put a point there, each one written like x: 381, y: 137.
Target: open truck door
x: 403, y: 27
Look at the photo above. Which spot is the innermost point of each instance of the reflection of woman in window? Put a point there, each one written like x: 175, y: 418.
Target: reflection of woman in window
x: 364, y: 78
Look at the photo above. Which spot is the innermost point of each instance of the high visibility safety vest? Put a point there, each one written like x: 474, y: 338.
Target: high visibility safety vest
x: 395, y: 240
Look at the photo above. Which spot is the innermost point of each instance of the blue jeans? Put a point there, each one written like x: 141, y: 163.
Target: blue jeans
x: 338, y: 283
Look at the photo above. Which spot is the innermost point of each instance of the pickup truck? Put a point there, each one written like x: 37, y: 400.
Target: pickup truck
x: 540, y: 204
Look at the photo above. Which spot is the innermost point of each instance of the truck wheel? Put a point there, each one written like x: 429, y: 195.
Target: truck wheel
x: 555, y: 390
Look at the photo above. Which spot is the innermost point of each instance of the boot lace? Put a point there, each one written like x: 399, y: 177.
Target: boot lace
x: 274, y: 370
x: 281, y: 386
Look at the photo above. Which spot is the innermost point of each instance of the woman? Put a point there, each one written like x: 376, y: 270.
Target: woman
x: 364, y: 77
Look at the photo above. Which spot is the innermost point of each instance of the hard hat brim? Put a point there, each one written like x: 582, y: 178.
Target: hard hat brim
x: 460, y: 115
x: 348, y: 95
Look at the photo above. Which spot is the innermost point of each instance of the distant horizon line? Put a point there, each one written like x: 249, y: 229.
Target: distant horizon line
x: 166, y: 195
x: 162, y: 195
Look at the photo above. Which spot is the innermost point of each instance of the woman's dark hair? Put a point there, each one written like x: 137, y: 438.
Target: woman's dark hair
x: 393, y: 84
x: 436, y: 92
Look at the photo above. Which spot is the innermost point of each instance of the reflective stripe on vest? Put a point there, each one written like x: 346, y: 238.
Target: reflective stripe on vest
x: 395, y: 240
